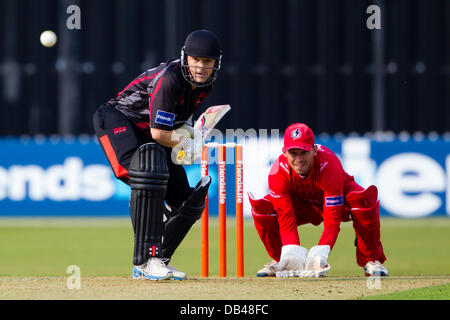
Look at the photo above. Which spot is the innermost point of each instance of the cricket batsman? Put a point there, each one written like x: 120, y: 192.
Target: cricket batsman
x: 307, y: 184
x: 141, y: 132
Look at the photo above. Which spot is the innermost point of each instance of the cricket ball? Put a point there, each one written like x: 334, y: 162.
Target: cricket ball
x: 48, y: 38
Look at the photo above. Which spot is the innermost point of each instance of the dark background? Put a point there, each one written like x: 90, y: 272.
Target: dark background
x: 311, y: 61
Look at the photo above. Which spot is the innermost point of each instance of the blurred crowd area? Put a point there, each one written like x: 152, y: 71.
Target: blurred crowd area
x: 312, y: 61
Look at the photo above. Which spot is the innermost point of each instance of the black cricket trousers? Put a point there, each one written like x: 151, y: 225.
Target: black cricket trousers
x: 120, y: 139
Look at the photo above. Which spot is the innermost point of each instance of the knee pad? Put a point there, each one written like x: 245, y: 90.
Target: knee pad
x: 266, y: 224
x: 149, y: 175
x: 362, y: 199
x: 260, y: 206
x: 365, y: 212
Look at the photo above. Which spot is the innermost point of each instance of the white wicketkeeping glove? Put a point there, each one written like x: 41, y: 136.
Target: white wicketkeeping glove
x: 316, y: 262
x: 190, y: 148
x: 292, y: 261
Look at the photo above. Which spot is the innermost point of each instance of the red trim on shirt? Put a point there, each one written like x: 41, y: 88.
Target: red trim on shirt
x: 153, y: 96
x: 136, y: 81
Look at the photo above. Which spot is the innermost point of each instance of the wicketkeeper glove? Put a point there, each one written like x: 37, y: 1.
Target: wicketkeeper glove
x: 292, y: 261
x: 316, y: 262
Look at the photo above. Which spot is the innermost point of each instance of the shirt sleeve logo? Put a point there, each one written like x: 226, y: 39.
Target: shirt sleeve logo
x: 165, y: 118
x: 334, y: 201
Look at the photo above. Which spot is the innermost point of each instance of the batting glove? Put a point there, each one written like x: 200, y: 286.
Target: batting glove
x: 190, y: 148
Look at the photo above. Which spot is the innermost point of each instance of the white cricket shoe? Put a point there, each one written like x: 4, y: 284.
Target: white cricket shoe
x: 268, y: 270
x: 375, y: 268
x: 177, y: 275
x: 153, y: 269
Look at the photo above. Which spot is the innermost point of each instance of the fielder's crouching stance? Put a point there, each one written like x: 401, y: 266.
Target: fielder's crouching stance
x: 308, y: 185
x: 141, y: 132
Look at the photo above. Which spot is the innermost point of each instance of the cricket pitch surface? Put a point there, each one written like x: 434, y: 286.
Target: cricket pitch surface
x: 250, y: 288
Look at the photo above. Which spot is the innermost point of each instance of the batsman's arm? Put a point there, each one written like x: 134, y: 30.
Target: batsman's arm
x: 166, y: 138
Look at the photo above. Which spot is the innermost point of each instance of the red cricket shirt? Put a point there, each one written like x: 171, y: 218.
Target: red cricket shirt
x: 323, y: 188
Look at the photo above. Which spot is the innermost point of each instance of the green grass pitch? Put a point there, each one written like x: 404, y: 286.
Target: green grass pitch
x: 103, y: 247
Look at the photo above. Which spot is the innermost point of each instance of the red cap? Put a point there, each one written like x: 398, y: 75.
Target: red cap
x: 298, y: 136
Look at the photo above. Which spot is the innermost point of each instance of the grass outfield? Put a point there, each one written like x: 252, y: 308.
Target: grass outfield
x: 416, y: 249
x: 439, y: 292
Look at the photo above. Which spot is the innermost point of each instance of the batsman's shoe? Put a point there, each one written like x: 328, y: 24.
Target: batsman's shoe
x: 268, y: 270
x: 153, y: 269
x: 375, y: 268
x: 177, y: 275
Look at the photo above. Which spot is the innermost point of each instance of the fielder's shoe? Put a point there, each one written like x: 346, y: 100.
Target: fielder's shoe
x: 375, y: 268
x: 177, y: 275
x: 153, y: 269
x: 268, y: 270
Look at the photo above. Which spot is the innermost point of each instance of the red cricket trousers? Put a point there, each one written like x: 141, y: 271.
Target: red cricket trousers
x: 361, y: 207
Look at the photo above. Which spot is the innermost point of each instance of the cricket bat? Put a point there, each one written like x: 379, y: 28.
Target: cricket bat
x: 206, y: 122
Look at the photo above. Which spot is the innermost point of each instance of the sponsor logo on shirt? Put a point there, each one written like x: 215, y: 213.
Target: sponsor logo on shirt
x: 120, y: 130
x: 165, y: 118
x: 274, y: 195
x: 284, y: 166
x: 334, y: 201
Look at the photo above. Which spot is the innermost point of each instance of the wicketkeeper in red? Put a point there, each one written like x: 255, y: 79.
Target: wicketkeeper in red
x: 307, y: 184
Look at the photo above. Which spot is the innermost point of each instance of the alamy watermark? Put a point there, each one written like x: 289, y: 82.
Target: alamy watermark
x: 373, y: 283
x: 74, y: 19
x: 374, y: 20
x: 74, y: 280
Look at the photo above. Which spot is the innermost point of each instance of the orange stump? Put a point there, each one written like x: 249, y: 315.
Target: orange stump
x: 222, y: 212
x: 239, y: 212
x: 204, y: 221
